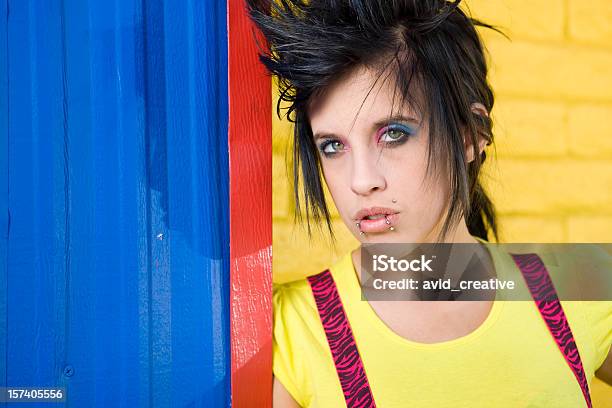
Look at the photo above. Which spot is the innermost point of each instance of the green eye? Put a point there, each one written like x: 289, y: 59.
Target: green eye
x: 394, y: 134
x: 331, y: 147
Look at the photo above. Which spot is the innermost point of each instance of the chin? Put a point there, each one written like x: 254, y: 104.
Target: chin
x: 400, y: 239
x: 390, y: 237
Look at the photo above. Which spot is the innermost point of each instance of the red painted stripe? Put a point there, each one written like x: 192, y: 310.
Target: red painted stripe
x: 250, y: 153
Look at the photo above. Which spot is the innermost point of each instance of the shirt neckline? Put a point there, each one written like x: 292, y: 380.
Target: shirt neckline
x: 348, y: 281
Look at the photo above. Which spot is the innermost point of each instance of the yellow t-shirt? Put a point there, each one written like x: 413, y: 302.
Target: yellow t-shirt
x: 510, y: 360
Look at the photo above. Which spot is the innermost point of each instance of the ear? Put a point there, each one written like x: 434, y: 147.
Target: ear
x: 479, y: 109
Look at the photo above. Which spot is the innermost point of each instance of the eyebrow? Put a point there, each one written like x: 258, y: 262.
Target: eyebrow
x: 395, y: 118
x: 377, y: 125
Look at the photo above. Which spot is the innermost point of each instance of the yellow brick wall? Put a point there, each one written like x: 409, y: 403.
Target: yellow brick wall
x: 552, y: 177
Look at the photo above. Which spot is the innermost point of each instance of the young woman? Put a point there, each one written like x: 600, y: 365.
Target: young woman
x: 391, y: 109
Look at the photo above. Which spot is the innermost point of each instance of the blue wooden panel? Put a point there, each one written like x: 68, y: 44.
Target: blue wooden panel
x: 4, y: 215
x: 36, y: 290
x: 113, y: 146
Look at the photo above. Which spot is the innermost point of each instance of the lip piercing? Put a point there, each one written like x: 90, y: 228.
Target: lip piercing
x: 388, y: 223
x: 359, y: 226
x: 394, y: 200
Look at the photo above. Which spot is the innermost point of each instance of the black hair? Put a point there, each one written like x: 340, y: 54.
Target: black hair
x: 433, y: 42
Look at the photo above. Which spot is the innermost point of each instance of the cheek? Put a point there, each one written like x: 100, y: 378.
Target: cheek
x: 335, y: 183
x: 340, y: 191
x: 421, y: 192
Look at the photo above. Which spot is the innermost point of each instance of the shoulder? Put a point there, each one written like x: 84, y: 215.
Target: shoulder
x: 581, y: 277
x: 292, y: 298
x: 296, y: 317
x: 598, y: 317
x: 296, y: 329
x: 295, y: 309
x: 579, y: 256
x: 589, y: 266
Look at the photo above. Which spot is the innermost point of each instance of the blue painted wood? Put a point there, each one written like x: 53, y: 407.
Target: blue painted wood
x: 4, y: 214
x: 113, y: 157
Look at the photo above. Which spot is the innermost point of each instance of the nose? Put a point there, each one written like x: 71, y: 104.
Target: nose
x: 366, y: 176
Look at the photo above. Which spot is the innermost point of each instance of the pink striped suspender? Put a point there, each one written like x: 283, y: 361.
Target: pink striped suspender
x: 340, y: 338
x: 351, y: 373
x: 544, y: 294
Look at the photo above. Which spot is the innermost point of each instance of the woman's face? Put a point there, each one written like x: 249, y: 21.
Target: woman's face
x: 351, y: 126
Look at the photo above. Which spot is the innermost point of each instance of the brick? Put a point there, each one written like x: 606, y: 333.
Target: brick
x: 280, y: 187
x: 295, y: 256
x: 589, y: 21
x: 531, y: 229
x: 282, y: 135
x: 590, y: 129
x: 590, y: 228
x: 527, y: 128
x: 282, y: 129
x: 550, y: 71
x: 535, y: 19
x: 549, y: 187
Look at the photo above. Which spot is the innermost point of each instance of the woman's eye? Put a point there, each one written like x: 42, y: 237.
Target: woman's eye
x: 394, y: 134
x: 331, y: 147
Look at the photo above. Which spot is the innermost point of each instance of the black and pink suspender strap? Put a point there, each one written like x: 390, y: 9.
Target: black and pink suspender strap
x: 349, y: 366
x: 544, y: 294
x: 351, y: 373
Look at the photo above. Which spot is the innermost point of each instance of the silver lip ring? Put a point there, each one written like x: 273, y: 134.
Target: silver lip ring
x: 359, y: 227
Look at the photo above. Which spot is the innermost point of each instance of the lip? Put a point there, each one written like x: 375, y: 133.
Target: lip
x: 378, y: 225
x: 365, y: 212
